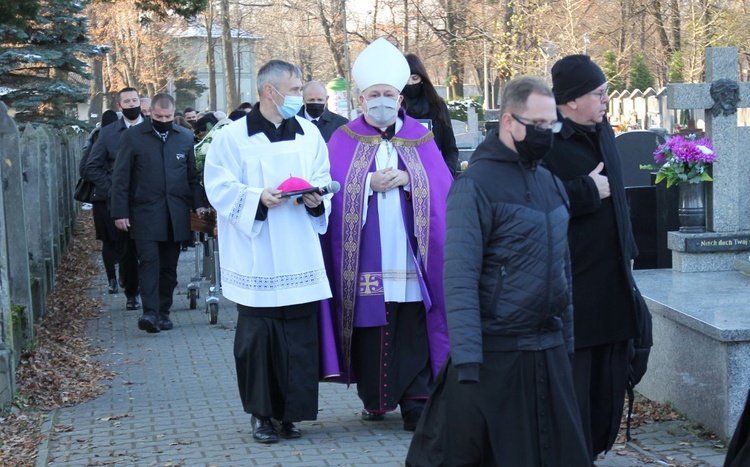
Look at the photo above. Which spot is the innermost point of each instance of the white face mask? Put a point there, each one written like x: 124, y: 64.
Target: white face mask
x: 382, y: 110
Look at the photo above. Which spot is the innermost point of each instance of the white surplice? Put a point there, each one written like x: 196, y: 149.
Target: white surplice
x: 400, y: 281
x: 278, y: 261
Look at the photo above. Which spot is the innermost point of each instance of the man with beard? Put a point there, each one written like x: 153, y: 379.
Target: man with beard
x: 154, y: 187
x: 314, y: 96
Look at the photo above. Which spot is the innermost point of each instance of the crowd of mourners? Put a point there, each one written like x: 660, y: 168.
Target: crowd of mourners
x: 493, y: 305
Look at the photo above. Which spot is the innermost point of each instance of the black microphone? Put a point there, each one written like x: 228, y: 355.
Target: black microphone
x: 332, y: 187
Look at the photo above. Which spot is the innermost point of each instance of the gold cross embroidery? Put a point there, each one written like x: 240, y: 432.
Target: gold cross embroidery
x: 370, y: 284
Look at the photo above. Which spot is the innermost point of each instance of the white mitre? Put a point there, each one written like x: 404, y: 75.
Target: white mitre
x: 381, y: 63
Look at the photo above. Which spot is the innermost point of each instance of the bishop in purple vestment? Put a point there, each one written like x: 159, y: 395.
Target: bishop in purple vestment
x: 384, y: 246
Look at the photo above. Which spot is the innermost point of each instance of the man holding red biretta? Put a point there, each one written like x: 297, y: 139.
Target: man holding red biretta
x: 271, y: 260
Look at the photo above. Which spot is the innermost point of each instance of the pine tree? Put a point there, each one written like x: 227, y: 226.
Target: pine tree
x: 676, y: 68
x: 16, y: 14
x: 640, y: 77
x: 42, y: 65
x: 611, y: 71
x: 184, y: 8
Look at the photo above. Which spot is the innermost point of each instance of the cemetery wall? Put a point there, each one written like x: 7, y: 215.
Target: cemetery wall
x: 38, y: 170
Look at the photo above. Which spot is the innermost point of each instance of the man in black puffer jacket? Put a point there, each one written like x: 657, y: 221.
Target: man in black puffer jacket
x: 506, y: 395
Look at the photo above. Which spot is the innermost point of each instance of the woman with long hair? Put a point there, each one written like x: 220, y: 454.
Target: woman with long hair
x: 423, y: 103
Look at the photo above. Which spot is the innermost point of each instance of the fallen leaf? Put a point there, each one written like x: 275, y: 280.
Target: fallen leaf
x: 60, y: 369
x: 181, y: 442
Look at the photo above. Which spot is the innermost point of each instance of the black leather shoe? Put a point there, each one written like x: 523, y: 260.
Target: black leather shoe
x: 287, y: 430
x: 165, y: 324
x: 264, y: 431
x: 372, y: 416
x: 132, y: 303
x: 411, y: 418
x: 149, y: 323
x: 113, y: 286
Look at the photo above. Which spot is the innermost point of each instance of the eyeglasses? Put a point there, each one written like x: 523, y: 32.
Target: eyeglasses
x: 555, y: 126
x: 600, y: 94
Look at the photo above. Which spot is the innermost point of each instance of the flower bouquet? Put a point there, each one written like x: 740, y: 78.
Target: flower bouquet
x: 683, y: 159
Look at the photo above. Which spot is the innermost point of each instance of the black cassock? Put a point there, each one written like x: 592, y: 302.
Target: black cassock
x: 521, y: 413
x: 276, y: 356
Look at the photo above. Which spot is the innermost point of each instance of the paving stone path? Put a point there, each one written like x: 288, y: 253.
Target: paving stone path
x: 174, y: 402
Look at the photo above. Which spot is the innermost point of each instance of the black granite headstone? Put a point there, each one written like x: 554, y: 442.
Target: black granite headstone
x: 637, y: 148
x: 653, y: 209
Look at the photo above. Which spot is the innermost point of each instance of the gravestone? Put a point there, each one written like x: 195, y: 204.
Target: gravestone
x: 700, y: 361
x: 649, y: 204
x: 468, y: 140
x: 459, y: 126
x: 47, y: 201
x: 8, y: 143
x: 11, y: 174
x: 653, y: 118
x: 472, y: 120
x: 614, y: 111
x: 471, y: 136
x: 34, y: 219
x: 728, y: 209
x: 54, y: 154
x: 69, y: 148
x: 637, y: 148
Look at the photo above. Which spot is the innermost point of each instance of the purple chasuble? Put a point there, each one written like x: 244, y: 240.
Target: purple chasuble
x: 352, y: 253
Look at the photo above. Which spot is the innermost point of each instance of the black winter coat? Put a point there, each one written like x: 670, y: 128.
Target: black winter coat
x: 90, y: 141
x: 328, y: 122
x: 101, y: 159
x: 154, y: 183
x: 441, y: 128
x: 600, y: 234
x: 507, y: 268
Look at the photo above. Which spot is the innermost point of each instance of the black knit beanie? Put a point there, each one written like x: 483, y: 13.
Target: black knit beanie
x: 574, y: 76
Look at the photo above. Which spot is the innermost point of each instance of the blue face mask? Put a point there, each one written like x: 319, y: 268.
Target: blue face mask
x: 291, y: 105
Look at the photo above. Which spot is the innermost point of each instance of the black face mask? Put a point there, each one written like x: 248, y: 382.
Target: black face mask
x: 536, y: 145
x: 412, y: 91
x: 132, y: 113
x: 161, y: 127
x: 315, y: 110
